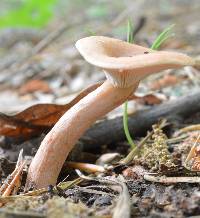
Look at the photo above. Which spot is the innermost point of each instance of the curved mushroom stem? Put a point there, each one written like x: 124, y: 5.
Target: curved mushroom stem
x: 57, y: 144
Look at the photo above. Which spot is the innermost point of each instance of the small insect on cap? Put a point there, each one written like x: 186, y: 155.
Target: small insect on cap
x: 125, y: 64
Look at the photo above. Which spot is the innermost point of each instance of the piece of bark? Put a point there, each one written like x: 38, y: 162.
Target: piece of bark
x: 111, y: 131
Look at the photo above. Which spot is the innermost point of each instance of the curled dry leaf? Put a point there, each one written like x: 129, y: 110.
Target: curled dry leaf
x: 37, y: 118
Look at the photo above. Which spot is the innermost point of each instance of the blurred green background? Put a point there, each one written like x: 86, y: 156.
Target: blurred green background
x: 38, y: 13
x: 95, y: 15
x: 33, y: 13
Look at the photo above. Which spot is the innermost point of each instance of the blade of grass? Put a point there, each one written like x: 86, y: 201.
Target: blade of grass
x: 161, y: 41
x: 164, y: 35
x: 125, y: 124
x: 130, y: 31
x: 125, y: 111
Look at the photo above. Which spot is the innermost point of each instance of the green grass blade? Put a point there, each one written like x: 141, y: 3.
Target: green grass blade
x: 129, y: 31
x: 125, y: 111
x: 164, y: 35
x: 125, y: 124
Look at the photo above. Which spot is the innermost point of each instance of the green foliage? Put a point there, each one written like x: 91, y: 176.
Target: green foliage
x: 125, y: 124
x: 32, y: 13
x: 164, y: 35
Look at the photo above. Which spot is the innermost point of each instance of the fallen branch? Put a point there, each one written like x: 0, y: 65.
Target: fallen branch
x: 111, y: 131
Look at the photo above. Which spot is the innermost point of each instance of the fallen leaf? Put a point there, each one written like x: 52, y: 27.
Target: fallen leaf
x: 150, y: 99
x: 134, y: 172
x: 37, y: 118
x: 33, y: 86
x: 165, y: 81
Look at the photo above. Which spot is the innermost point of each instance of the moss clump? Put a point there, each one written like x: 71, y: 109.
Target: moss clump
x: 156, y: 154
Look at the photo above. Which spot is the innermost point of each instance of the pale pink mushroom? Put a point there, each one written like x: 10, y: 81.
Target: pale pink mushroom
x: 124, y: 65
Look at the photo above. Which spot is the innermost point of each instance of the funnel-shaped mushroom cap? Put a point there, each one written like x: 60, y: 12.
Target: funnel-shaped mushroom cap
x: 126, y: 64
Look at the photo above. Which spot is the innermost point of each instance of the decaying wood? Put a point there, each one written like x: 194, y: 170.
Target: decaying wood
x: 111, y: 131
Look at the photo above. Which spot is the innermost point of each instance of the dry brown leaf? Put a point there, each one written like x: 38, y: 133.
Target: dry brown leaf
x: 150, y: 99
x: 33, y: 86
x: 134, y: 172
x: 37, y: 118
x: 41, y: 117
x: 165, y: 81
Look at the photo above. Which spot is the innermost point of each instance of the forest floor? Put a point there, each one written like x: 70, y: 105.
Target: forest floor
x: 43, y: 66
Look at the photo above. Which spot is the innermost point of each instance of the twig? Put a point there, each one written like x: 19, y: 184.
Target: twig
x: 192, y: 151
x: 16, y: 178
x: 89, y: 168
x: 14, y: 184
x: 189, y: 129
x: 174, y: 139
x: 13, y: 174
x: 164, y: 179
x: 7, y: 181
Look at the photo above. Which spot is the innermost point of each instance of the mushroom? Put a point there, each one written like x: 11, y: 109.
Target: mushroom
x: 124, y: 65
